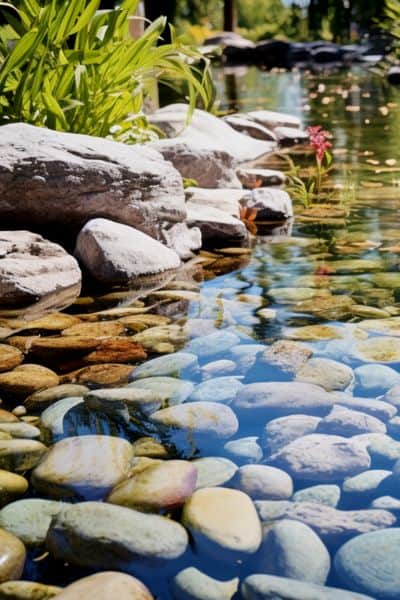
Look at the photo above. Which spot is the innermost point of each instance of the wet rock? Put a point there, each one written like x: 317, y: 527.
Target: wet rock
x: 197, y: 421
x: 122, y: 402
x: 288, y: 295
x: 103, y: 375
x: 270, y: 587
x: 269, y: 204
x: 162, y: 486
x: 192, y: 584
x: 41, y: 400
x: 375, y: 378
x: 218, y: 368
x: 259, y: 178
x: 27, y: 590
x: 223, y: 523
x: 20, y: 430
x: 387, y: 503
x: 29, y: 519
x: 329, y: 374
x: 170, y: 390
x: 289, y: 136
x: 137, y: 323
x: 319, y: 494
x: 106, y: 585
x: 369, y: 564
x: 245, y: 355
x: 322, y: 458
x: 11, y: 486
x: 7, y: 416
x: 215, y: 343
x: 389, y: 326
x: 26, y: 379
x: 378, y: 349
x: 280, y: 432
x: 177, y: 365
x: 129, y: 184
x: 249, y: 127
x: 104, y: 536
x: 273, y: 399
x: 86, y: 467
x: 285, y: 356
x: 376, y: 408
x: 215, y: 224
x: 52, y: 418
x: 99, y: 329
x: 12, y: 556
x: 244, y: 450
x: 393, y: 395
x: 20, y: 455
x: 213, y: 471
x: 384, y: 450
x: 218, y: 389
x: 32, y: 268
x: 328, y: 307
x: 292, y: 549
x: 227, y: 200
x: 154, y: 339
x: 271, y: 119
x: 148, y: 447
x: 262, y: 482
x: 115, y: 253
x: 365, y: 486
x: 314, y: 333
x: 183, y: 240
x: 9, y: 357
x: 345, y: 422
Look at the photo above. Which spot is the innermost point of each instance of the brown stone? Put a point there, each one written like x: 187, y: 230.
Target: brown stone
x: 23, y: 342
x: 12, y: 556
x: 98, y: 330
x: 7, y: 416
x: 26, y: 379
x: 27, y: 590
x: 104, y: 586
x: 117, y: 350
x: 52, y: 348
x: 9, y: 357
x: 52, y: 322
x: 109, y: 374
x: 141, y: 322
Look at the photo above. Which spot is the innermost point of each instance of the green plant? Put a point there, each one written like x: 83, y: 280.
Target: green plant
x: 68, y: 66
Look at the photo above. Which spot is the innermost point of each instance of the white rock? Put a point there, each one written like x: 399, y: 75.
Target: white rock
x: 215, y: 223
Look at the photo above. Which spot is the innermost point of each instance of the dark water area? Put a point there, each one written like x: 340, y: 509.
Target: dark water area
x: 342, y: 273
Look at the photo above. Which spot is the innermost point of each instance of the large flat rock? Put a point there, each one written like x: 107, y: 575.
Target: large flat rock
x: 49, y: 177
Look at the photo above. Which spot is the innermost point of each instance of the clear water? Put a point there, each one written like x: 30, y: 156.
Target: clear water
x: 363, y: 114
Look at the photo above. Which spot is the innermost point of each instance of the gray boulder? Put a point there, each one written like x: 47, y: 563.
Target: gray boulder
x: 73, y: 178
x: 116, y: 254
x: 270, y: 587
x: 32, y: 268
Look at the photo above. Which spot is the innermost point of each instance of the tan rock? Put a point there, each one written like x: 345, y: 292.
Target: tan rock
x: 22, y: 342
x: 99, y: 329
x: 314, y: 333
x: 106, y: 585
x: 27, y: 590
x: 26, y: 379
x: 223, y: 522
x: 20, y: 455
x: 117, y: 350
x: 108, y: 374
x: 162, y: 486
x: 148, y: 447
x: 52, y: 322
x: 11, y: 486
x: 9, y: 357
x: 38, y: 401
x: 139, y: 323
x: 12, y: 556
x: 7, y: 417
x: 86, y: 467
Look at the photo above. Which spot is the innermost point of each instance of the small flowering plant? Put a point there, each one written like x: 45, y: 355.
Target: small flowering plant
x: 308, y: 190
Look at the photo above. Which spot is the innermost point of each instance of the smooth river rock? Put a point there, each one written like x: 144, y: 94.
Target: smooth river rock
x: 27, y: 590
x: 280, y: 432
x: 329, y: 374
x: 223, y: 522
x: 85, y: 467
x: 106, y: 585
x: 192, y: 584
x: 20, y: 455
x: 217, y: 389
x: 346, y: 422
x: 176, y: 365
x: 105, y: 536
x: 322, y: 458
x: 12, y: 556
x: 29, y: 519
x: 262, y: 482
x: 213, y: 471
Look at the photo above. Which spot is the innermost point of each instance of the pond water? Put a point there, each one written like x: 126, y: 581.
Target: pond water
x: 332, y: 286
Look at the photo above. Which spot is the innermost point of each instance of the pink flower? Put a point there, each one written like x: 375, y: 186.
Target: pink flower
x: 318, y: 141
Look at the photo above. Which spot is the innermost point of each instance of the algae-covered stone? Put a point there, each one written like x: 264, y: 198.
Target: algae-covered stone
x: 153, y: 338
x: 162, y: 486
x: 86, y: 467
x: 292, y: 549
x: 369, y: 564
x: 192, y: 584
x: 106, y: 585
x: 104, y: 536
x: 314, y: 333
x: 96, y: 330
x: 378, y: 349
x: 12, y: 556
x: 20, y: 455
x: 329, y: 307
x: 329, y: 374
x: 389, y: 326
x: 173, y: 365
x: 29, y: 519
x: 288, y: 295
x: 223, y: 523
x: 27, y: 590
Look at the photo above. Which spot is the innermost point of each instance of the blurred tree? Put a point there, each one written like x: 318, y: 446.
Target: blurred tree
x: 229, y: 15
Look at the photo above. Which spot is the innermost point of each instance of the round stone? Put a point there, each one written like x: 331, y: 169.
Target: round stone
x: 393, y: 395
x: 292, y: 549
x: 223, y: 523
x: 320, y: 494
x: 12, y: 556
x: 218, y: 389
x: 285, y: 356
x: 314, y: 333
x: 11, y: 486
x: 20, y: 430
x: 29, y: 519
x: 102, y: 375
x: 169, y: 390
x: 244, y: 450
x: 162, y: 486
x: 27, y: 590
x: 329, y: 374
x: 215, y: 343
x: 322, y: 458
x: 376, y: 379
x: 40, y: 400
x: 213, y: 471
x: 280, y: 432
x: 20, y: 455
x: 10, y: 357
x: 25, y: 380
x: 379, y: 349
x: 192, y: 584
x: 105, y: 536
x: 85, y: 467
x: 100, y: 329
x: 106, y: 585
x: 173, y: 365
x: 365, y: 486
x: 346, y: 422
x: 369, y: 564
x: 262, y: 482
x: 389, y: 326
